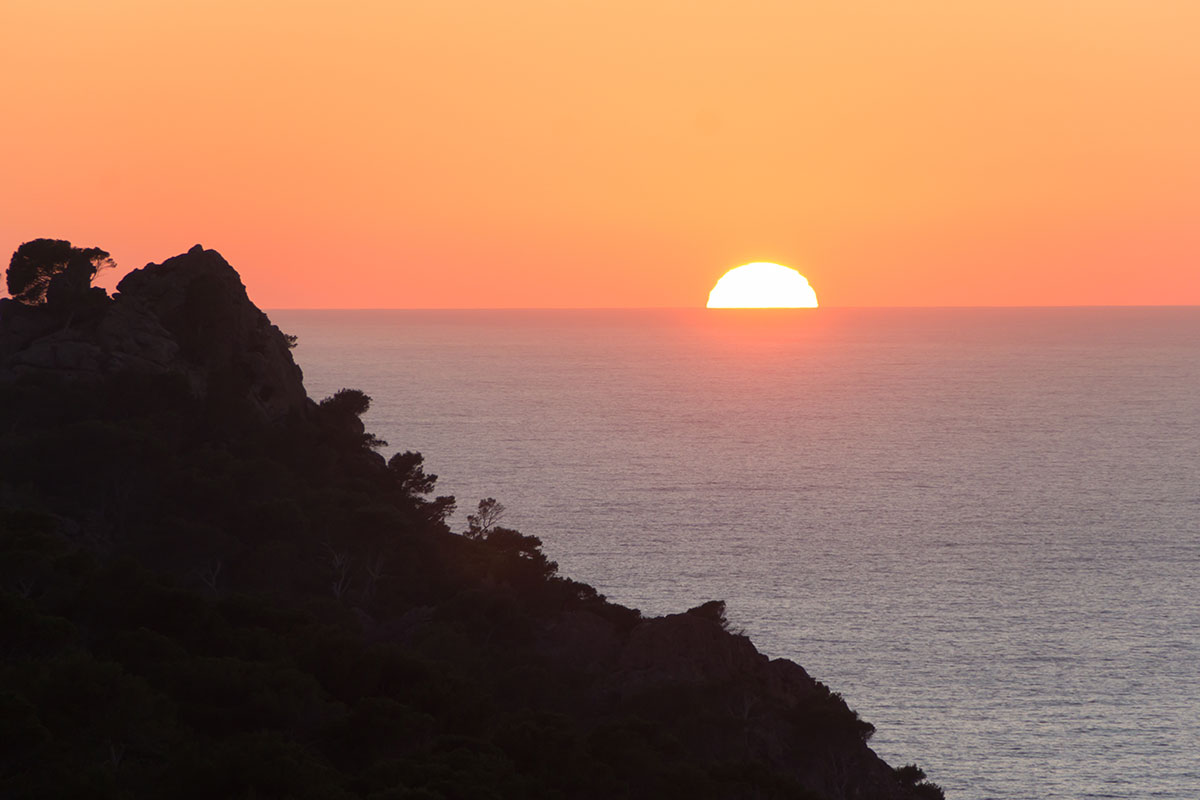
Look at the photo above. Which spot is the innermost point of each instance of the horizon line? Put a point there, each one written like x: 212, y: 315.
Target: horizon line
x: 703, y: 308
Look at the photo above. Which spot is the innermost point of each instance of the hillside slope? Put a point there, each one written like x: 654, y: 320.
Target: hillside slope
x: 213, y: 586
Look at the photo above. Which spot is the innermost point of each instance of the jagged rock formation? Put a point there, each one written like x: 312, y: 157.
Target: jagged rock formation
x: 189, y: 316
x: 299, y: 621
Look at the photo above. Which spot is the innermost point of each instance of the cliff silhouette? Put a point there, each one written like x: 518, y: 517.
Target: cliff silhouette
x: 214, y: 586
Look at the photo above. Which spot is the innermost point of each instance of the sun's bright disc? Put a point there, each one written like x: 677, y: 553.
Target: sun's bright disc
x: 762, y: 285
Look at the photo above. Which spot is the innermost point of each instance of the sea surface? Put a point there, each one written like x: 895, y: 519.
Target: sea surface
x: 981, y: 526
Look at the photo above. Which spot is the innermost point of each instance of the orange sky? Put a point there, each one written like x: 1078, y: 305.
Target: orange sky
x: 568, y: 153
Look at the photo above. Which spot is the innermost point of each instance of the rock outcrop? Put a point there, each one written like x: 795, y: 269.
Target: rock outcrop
x: 680, y: 664
x: 189, y: 316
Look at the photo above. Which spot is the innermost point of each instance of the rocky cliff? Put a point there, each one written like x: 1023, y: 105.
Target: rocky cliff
x: 217, y: 588
x: 189, y: 317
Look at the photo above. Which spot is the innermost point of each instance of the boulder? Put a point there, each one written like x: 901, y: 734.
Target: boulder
x: 226, y: 343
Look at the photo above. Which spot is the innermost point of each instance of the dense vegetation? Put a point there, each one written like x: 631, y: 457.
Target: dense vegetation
x: 198, y: 602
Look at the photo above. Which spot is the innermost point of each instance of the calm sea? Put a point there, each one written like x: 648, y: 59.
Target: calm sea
x: 981, y: 526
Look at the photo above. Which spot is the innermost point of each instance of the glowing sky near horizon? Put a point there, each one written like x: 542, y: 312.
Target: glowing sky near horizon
x: 545, y: 153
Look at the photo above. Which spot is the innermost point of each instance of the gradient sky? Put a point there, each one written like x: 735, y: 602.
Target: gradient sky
x: 527, y: 153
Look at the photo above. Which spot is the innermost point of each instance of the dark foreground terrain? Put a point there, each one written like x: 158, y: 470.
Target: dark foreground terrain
x: 212, y: 586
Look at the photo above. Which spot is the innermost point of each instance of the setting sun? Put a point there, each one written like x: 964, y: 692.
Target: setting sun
x: 762, y: 285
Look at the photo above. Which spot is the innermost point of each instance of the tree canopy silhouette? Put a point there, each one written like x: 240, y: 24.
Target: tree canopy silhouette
x: 43, y: 269
x: 485, y: 518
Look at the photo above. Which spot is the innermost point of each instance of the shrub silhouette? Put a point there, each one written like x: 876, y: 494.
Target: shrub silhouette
x: 54, y: 270
x: 913, y: 777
